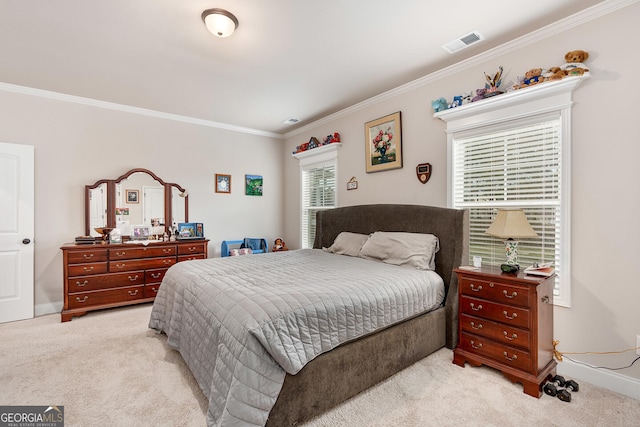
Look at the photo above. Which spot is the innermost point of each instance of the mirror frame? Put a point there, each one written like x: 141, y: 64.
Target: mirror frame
x: 111, y: 199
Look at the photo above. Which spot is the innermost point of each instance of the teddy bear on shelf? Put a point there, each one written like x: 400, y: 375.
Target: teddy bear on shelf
x: 575, y: 63
x: 532, y: 77
x: 553, y: 74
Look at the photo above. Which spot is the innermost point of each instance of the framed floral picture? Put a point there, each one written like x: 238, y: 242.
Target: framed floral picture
x: 223, y: 183
x: 383, y: 143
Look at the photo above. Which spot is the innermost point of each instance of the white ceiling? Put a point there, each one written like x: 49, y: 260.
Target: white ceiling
x: 288, y: 58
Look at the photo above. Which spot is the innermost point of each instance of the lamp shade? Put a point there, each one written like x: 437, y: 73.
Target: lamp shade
x: 220, y: 22
x: 511, y: 224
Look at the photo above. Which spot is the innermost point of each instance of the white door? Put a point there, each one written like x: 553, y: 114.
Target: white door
x: 16, y: 232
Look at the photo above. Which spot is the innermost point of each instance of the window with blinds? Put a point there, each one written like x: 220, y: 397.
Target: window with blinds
x: 318, y: 193
x: 513, y: 165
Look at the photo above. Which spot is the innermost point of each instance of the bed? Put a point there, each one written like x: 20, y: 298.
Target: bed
x: 282, y: 359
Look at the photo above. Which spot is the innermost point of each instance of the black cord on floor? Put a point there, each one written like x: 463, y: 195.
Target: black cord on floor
x: 602, y: 367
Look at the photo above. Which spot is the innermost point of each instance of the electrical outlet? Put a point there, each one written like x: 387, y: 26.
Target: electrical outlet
x: 638, y: 345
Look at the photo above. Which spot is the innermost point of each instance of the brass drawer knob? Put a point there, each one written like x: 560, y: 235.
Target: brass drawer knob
x: 473, y: 344
x: 474, y: 289
x: 506, y: 356
x: 476, y: 327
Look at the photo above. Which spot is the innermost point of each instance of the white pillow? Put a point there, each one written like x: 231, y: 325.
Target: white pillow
x: 406, y: 249
x: 347, y: 243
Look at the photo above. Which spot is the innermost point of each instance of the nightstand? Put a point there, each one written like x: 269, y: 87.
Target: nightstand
x: 506, y: 322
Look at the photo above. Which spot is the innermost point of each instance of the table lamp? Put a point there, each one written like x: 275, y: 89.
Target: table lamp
x: 511, y: 224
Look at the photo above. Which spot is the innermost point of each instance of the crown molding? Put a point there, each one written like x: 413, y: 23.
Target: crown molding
x: 24, y: 90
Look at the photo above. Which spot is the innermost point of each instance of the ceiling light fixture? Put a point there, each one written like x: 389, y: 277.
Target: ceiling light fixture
x: 220, y: 22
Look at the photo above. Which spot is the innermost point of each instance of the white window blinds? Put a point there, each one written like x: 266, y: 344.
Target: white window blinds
x: 518, y: 165
x: 318, y: 193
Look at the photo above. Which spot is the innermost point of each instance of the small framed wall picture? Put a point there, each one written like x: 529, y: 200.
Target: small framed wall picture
x: 223, y: 183
x: 133, y: 196
x: 253, y: 185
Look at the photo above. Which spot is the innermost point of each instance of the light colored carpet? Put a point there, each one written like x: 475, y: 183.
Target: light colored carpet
x: 108, y: 368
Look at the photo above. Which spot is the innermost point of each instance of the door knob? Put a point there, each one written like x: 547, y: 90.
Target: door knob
x: 26, y: 241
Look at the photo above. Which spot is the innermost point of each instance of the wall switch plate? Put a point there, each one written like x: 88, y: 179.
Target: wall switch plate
x: 638, y: 345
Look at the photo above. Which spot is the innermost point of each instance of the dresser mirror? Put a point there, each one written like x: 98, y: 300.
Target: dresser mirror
x: 138, y: 197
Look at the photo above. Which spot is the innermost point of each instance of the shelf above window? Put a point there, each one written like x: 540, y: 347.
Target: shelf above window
x: 538, y: 98
x: 321, y: 153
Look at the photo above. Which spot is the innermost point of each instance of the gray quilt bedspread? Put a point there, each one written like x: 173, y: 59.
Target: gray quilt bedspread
x: 241, y: 322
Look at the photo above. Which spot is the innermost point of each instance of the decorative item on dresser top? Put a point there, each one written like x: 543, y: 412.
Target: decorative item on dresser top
x: 113, y: 275
x: 506, y: 322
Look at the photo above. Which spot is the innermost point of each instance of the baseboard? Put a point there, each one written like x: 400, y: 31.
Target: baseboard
x: 613, y: 381
x: 48, y: 308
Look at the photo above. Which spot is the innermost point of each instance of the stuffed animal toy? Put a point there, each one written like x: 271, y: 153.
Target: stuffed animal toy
x: 575, y: 63
x: 457, y: 101
x: 479, y: 95
x: 532, y: 77
x: 439, y: 104
x: 553, y: 74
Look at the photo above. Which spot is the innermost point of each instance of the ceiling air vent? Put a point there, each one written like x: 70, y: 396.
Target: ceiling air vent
x: 291, y: 121
x: 462, y: 42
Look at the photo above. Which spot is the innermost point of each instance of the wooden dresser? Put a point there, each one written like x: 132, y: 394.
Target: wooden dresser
x: 112, y: 275
x: 506, y: 322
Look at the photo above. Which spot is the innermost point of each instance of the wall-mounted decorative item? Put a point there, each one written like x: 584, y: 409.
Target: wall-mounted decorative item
x: 223, y: 183
x: 122, y: 211
x: 253, y: 185
x: 383, y: 143
x: 352, y: 184
x: 423, y: 170
x: 133, y: 196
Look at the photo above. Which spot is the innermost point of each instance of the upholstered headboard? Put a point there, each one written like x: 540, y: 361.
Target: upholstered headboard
x: 451, y: 226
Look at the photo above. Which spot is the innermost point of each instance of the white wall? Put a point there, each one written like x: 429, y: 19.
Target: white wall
x: 604, y: 315
x: 76, y: 145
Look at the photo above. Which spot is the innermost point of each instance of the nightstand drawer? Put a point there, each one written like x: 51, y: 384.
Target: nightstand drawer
x: 495, y: 291
x: 496, y: 331
x: 506, y: 355
x: 514, y: 316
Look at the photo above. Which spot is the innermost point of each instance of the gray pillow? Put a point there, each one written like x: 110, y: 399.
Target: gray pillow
x: 407, y: 249
x: 347, y: 243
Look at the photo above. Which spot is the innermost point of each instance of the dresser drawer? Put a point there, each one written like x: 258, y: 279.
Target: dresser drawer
x: 191, y: 248
x: 497, y: 331
x: 90, y: 255
x: 140, y: 264
x: 190, y: 257
x: 86, y: 269
x: 514, y: 316
x: 150, y: 291
x: 504, y: 354
x: 495, y: 291
x: 87, y: 299
x: 146, y: 252
x: 105, y: 281
x: 154, y: 276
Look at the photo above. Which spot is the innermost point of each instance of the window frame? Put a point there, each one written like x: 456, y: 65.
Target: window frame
x: 324, y: 156
x: 514, y: 107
